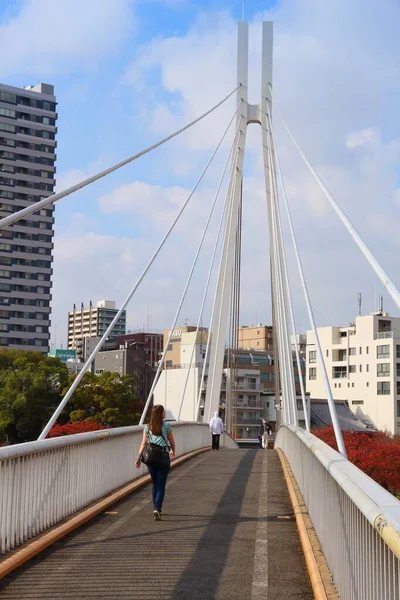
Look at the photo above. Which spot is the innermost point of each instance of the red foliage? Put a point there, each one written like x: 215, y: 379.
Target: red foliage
x: 76, y: 427
x: 375, y: 453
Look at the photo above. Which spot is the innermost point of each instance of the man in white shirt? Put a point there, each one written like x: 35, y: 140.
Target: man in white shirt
x: 216, y: 428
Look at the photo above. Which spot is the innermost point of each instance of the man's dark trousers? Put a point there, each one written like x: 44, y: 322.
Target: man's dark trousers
x: 215, y: 441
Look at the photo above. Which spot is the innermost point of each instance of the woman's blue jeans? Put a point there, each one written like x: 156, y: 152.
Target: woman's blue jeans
x: 159, y: 476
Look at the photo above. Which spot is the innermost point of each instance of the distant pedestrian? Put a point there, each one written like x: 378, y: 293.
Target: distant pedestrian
x: 267, y: 433
x: 159, y: 433
x: 261, y: 434
x: 216, y: 428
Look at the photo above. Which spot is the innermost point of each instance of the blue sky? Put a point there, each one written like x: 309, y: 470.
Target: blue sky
x: 133, y: 71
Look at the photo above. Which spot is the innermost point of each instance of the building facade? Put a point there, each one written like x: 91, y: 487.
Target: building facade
x: 92, y: 322
x: 256, y: 337
x: 247, y: 388
x: 363, y: 364
x: 27, y: 174
x: 134, y: 354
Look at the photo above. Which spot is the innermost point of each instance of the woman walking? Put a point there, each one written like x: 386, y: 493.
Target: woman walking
x: 158, y: 432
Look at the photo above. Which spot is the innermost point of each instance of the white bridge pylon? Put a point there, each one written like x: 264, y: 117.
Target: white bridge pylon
x: 248, y: 113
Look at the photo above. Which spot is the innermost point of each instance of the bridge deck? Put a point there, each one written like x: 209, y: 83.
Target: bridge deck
x: 228, y: 533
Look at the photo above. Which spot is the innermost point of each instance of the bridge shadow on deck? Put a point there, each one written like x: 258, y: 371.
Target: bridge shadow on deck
x: 204, y: 548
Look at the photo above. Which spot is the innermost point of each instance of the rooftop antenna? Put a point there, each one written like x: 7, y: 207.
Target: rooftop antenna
x: 359, y: 304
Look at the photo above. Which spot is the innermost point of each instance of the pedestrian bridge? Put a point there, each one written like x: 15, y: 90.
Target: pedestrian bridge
x: 76, y: 521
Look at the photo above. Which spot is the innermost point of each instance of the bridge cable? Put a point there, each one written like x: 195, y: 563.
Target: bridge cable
x: 227, y: 214
x: 279, y: 293
x: 283, y: 300
x: 321, y: 362
x: 78, y: 186
x: 223, y: 260
x: 376, y: 266
x: 285, y: 272
x: 161, y: 362
x: 234, y: 144
x: 131, y: 293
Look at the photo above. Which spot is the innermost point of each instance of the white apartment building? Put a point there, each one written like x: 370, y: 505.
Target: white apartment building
x: 363, y: 365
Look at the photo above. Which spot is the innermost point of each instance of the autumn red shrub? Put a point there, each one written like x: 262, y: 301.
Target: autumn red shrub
x: 375, y: 453
x: 76, y: 427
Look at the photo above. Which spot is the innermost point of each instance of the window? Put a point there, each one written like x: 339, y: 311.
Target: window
x: 342, y: 355
x: 45, y: 174
x: 312, y: 356
x: 6, y: 112
x: 352, y: 368
x: 360, y: 368
x: 46, y: 105
x: 367, y: 349
x: 3, y: 327
x: 327, y: 353
x: 312, y: 373
x: 46, y: 135
x: 46, y: 121
x: 360, y: 350
x: 6, y: 97
x: 383, y: 370
x: 358, y: 402
x: 4, y: 273
x: 6, y: 208
x: 168, y: 363
x: 169, y: 347
x: 7, y: 127
x: 3, y: 341
x: 397, y: 369
x: 352, y: 351
x: 352, y: 385
x: 398, y: 351
x: 367, y: 383
x: 343, y: 334
x: 4, y: 194
x: 7, y: 142
x: 383, y: 351
x: 398, y: 408
x: 367, y: 368
x: 383, y: 388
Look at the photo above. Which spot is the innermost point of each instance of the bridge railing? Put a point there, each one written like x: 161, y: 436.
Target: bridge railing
x: 43, y: 482
x: 356, y: 520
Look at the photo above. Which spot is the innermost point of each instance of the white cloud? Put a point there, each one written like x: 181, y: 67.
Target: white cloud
x: 336, y: 77
x: 47, y: 38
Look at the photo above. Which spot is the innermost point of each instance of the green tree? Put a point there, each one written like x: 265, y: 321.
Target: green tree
x: 30, y: 390
x: 107, y: 398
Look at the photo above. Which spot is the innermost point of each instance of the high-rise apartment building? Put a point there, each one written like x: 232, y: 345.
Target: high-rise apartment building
x: 92, y: 322
x: 363, y: 365
x: 27, y: 174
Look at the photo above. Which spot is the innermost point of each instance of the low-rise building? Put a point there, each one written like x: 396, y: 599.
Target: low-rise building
x: 363, y: 365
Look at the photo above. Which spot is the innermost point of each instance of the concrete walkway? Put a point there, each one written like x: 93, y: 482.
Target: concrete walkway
x: 227, y: 533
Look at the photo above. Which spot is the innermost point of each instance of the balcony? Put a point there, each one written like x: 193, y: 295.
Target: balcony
x: 383, y: 335
x: 340, y: 375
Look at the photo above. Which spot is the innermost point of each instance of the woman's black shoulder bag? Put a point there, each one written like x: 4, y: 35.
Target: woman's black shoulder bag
x: 155, y: 455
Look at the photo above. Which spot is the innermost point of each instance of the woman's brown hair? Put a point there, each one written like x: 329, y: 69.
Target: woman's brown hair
x: 156, y: 419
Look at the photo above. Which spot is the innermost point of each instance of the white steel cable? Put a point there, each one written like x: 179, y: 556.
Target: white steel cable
x: 321, y: 362
x: 276, y: 287
x: 222, y: 264
x: 376, y: 266
x: 55, y: 197
x: 161, y: 362
x: 234, y: 143
x: 287, y: 283
x: 129, y: 296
